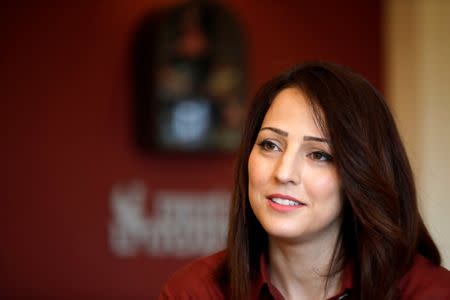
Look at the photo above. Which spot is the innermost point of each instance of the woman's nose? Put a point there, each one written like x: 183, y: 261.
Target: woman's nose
x: 287, y: 168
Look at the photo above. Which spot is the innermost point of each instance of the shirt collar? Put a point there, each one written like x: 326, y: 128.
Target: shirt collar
x: 263, y: 284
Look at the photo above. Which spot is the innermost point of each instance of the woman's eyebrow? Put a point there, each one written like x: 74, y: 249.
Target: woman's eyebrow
x: 316, y: 139
x: 305, y: 138
x: 276, y: 130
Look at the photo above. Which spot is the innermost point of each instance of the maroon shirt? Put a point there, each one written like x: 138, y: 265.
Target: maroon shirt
x: 424, y: 281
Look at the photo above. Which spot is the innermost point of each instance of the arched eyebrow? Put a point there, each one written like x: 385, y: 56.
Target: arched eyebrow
x: 306, y: 138
x: 276, y: 130
x: 316, y: 139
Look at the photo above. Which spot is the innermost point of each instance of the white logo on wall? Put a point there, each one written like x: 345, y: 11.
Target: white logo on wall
x: 181, y: 223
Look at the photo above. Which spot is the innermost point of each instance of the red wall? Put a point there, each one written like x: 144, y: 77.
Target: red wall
x: 67, y: 129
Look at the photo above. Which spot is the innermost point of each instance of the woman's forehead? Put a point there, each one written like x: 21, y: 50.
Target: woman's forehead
x: 290, y: 108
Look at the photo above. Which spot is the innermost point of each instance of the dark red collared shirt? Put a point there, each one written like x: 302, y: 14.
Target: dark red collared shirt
x: 424, y: 281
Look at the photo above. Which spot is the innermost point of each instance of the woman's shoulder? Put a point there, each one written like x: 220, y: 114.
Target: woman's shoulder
x: 425, y: 280
x: 196, y: 280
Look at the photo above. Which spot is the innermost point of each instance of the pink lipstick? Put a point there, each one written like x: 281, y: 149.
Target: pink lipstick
x: 284, y: 203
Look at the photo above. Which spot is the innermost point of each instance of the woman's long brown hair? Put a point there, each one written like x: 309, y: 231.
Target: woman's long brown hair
x: 382, y: 229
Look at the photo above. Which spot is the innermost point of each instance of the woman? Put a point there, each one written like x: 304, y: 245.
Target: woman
x: 324, y: 204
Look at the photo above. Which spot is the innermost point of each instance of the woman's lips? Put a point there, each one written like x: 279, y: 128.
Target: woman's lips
x: 284, y: 203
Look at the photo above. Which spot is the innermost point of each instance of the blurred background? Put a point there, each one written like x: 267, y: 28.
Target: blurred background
x: 89, y: 210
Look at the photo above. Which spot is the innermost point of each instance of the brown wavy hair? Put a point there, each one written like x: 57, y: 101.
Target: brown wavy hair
x: 382, y: 229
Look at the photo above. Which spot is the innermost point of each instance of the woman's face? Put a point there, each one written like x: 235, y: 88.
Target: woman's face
x: 293, y: 185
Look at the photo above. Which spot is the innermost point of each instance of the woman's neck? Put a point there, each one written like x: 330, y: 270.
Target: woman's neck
x: 301, y: 269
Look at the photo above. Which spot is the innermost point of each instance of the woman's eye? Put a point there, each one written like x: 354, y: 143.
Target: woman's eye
x: 320, y: 156
x: 269, y: 146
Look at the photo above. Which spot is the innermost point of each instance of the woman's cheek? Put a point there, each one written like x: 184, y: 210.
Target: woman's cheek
x: 257, y: 169
x: 322, y: 184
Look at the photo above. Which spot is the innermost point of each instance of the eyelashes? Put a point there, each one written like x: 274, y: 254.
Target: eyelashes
x: 268, y: 145
x: 320, y: 156
x: 317, y: 155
